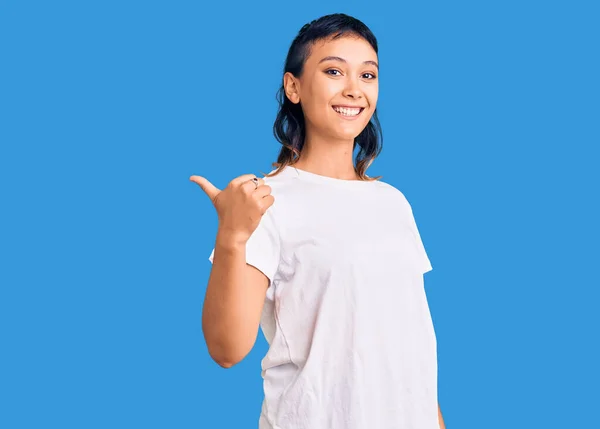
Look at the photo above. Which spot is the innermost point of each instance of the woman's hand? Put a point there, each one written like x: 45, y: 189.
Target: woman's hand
x: 239, y: 206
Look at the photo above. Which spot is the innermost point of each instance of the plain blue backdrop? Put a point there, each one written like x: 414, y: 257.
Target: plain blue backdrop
x: 490, y: 114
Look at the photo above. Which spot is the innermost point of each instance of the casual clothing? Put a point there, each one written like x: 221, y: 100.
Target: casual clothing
x: 352, y: 343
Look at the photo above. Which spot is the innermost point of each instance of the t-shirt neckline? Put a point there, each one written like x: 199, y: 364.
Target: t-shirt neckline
x: 292, y: 171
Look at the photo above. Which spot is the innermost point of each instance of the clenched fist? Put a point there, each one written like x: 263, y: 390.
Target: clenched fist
x: 239, y: 206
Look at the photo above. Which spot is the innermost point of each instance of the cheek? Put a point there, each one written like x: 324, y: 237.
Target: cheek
x: 312, y: 94
x: 326, y: 88
x: 315, y: 110
x: 372, y: 96
x: 319, y: 104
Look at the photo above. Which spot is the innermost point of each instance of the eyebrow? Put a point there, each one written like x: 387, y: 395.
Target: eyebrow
x: 332, y: 58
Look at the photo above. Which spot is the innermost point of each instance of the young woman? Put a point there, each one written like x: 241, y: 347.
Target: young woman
x: 327, y: 260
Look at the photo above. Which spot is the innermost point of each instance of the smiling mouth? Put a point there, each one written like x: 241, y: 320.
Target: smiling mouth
x: 347, y: 112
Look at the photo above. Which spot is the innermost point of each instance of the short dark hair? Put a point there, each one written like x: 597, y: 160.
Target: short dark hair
x: 289, y: 127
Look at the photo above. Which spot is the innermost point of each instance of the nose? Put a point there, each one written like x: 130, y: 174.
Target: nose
x: 352, y: 90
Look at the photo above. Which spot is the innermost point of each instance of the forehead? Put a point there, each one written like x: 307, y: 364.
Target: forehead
x: 353, y: 49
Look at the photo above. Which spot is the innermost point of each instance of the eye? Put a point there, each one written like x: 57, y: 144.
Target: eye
x: 332, y: 70
x: 371, y: 78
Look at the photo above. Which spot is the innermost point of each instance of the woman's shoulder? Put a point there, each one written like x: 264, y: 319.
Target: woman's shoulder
x: 391, y: 189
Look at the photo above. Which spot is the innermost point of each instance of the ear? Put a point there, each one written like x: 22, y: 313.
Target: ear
x: 291, y: 87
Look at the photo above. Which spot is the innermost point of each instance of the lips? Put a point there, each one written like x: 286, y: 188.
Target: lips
x: 352, y: 108
x: 349, y: 107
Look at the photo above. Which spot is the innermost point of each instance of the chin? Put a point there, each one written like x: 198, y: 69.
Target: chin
x: 347, y: 136
x: 350, y: 133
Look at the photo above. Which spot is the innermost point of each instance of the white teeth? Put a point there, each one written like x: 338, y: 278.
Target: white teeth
x: 346, y: 111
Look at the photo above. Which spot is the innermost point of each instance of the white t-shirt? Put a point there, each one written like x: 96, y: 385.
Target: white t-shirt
x: 352, y: 343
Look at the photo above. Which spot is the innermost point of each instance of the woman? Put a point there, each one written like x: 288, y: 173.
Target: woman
x: 327, y: 260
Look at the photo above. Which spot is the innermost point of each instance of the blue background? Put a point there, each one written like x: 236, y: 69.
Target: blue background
x: 490, y: 113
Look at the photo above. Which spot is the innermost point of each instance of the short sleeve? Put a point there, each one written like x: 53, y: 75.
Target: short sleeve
x: 263, y: 247
x: 425, y: 263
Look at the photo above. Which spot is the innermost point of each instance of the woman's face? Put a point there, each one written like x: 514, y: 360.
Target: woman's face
x: 342, y: 72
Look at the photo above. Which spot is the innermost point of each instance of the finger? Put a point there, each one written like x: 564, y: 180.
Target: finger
x: 266, y: 202
x: 250, y: 187
x: 211, y: 190
x: 240, y: 180
x: 262, y: 191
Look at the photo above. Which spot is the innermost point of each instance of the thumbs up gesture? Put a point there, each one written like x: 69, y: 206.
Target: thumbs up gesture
x: 240, y: 206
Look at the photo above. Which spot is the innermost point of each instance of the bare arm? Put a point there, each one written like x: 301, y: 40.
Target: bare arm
x: 440, y: 418
x: 233, y: 303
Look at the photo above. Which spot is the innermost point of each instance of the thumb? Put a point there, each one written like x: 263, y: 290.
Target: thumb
x: 211, y: 190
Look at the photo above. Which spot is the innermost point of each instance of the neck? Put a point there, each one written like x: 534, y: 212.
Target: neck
x: 328, y: 157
